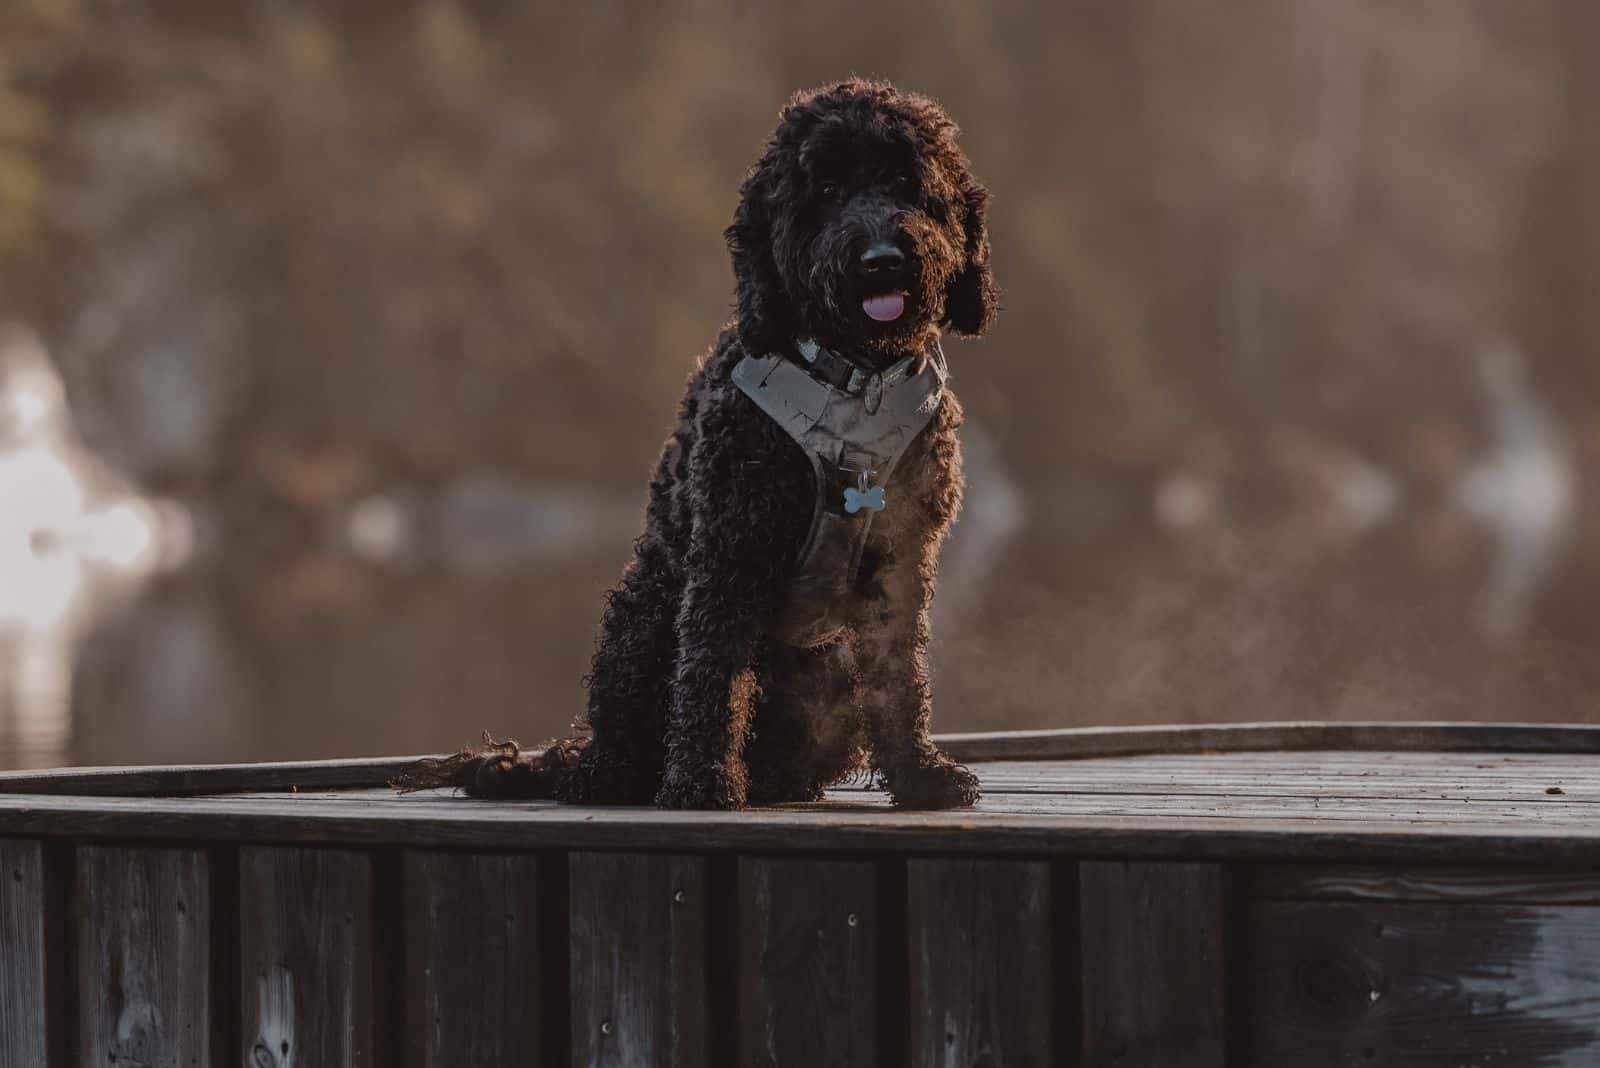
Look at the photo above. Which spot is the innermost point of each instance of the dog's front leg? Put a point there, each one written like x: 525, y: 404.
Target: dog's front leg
x: 894, y: 692
x: 713, y: 691
x: 734, y: 572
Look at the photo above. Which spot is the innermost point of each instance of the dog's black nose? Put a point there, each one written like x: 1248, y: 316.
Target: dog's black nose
x: 882, y: 259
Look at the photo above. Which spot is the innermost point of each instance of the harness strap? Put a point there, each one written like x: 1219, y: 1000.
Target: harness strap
x: 854, y: 435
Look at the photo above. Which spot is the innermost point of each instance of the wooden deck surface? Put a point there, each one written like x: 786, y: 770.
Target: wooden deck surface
x: 1465, y: 791
x: 1455, y: 806
x: 1322, y: 896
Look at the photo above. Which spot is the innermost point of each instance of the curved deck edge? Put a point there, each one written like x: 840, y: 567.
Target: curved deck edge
x: 1085, y: 743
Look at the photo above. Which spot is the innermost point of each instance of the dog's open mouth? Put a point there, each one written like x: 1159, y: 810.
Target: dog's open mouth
x: 885, y: 307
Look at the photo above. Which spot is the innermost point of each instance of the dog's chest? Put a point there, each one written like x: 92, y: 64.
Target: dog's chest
x: 872, y: 469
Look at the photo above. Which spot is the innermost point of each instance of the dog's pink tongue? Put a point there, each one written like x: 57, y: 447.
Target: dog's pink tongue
x: 885, y: 309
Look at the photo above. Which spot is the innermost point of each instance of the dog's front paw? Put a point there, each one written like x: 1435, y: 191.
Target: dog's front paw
x: 941, y: 783
x: 706, y: 790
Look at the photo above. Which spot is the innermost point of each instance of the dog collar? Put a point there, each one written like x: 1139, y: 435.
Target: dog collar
x: 837, y: 371
x: 845, y: 417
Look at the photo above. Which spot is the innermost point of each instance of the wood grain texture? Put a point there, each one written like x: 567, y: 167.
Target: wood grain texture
x: 1152, y: 940
x: 144, y: 954
x: 808, y: 962
x: 1424, y: 986
x: 306, y: 966
x: 23, y: 1027
x: 1507, y: 886
x: 187, y: 780
x: 472, y: 960
x: 638, y: 960
x: 1077, y: 743
x: 1092, y: 742
x: 980, y: 940
x: 992, y: 828
x: 1334, y: 806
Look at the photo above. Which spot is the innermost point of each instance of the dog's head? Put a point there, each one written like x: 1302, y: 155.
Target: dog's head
x: 861, y: 225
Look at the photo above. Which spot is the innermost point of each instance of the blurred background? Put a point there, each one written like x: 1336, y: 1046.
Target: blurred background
x: 337, y: 340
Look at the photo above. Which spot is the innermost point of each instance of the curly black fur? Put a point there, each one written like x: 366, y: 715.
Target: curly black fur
x: 692, y: 702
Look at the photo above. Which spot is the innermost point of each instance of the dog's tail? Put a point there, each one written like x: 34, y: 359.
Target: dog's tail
x: 500, y: 771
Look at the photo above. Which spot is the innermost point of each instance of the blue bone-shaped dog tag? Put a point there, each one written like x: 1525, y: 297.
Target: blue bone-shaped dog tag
x: 855, y: 500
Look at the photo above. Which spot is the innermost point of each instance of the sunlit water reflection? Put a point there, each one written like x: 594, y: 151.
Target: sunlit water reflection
x: 73, y: 540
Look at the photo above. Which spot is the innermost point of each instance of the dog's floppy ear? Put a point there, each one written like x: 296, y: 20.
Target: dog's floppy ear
x: 759, y: 291
x: 969, y: 301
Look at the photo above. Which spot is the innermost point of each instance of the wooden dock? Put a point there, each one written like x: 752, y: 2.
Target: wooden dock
x: 1282, y: 896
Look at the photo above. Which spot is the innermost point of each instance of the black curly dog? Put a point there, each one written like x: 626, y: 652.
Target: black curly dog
x: 694, y: 702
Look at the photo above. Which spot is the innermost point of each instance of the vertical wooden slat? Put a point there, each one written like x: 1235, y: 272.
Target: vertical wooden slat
x: 555, y: 971
x: 144, y: 956
x: 1152, y: 938
x: 387, y: 964
x: 222, y: 866
x: 473, y: 957
x: 23, y: 1033
x: 305, y: 948
x: 980, y: 954
x: 638, y: 960
x: 808, y: 963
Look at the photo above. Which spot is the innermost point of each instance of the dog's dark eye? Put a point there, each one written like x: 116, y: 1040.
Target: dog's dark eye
x: 830, y: 190
x: 905, y: 184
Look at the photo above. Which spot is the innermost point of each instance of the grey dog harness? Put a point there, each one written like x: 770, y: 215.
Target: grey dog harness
x: 854, y: 426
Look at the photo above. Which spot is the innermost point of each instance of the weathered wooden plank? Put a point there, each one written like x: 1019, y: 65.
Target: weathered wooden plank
x: 1333, y: 770
x: 1230, y: 771
x: 1423, y: 797
x: 23, y: 1027
x: 980, y: 939
x: 185, y: 780
x: 1289, y: 782
x: 1343, y: 759
x: 1340, y: 761
x: 1507, y: 886
x: 1261, y: 798
x: 1424, y: 986
x: 306, y: 966
x: 808, y: 962
x: 1333, y: 763
x: 473, y: 960
x: 144, y: 956
x: 1295, y: 780
x: 1460, y: 813
x: 1457, y: 812
x: 1092, y: 742
x: 1235, y: 771
x: 856, y: 827
x: 639, y: 970
x: 1076, y: 743
x: 1152, y: 940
